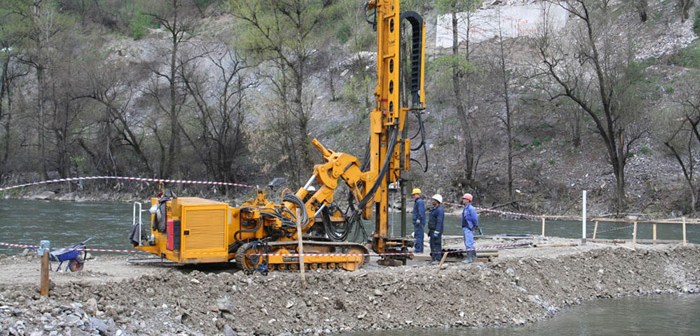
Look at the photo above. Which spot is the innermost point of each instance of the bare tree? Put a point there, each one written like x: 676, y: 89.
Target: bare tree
x: 504, y: 78
x: 119, y: 143
x: 219, y: 101
x: 11, y: 71
x: 684, y: 6
x: 642, y: 7
x: 600, y: 77
x: 177, y: 18
x: 681, y: 135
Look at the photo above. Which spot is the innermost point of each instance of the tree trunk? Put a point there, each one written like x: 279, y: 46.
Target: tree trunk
x: 459, y: 104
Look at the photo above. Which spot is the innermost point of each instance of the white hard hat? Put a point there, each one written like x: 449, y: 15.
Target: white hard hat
x: 437, y: 197
x: 311, y: 188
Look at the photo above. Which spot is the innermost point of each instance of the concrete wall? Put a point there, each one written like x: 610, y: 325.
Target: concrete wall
x: 515, y: 21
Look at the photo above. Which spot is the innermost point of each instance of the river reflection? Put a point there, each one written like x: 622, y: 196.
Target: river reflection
x: 651, y: 315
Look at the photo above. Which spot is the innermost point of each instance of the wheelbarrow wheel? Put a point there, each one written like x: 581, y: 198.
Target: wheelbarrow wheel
x: 75, y: 265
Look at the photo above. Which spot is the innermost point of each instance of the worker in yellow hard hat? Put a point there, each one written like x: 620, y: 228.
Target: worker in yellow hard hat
x: 418, y: 220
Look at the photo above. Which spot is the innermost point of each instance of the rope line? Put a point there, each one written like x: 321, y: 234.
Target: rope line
x: 126, y: 178
x: 158, y: 180
x: 490, y: 247
x: 616, y: 229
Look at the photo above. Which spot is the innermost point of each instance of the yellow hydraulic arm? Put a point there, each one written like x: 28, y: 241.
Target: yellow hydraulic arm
x: 389, y: 147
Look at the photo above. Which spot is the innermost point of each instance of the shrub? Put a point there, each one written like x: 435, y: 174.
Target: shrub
x: 138, y: 25
x: 343, y: 33
x: 645, y: 150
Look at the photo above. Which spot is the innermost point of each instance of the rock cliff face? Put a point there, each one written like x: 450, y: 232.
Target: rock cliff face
x: 549, y: 172
x: 519, y: 287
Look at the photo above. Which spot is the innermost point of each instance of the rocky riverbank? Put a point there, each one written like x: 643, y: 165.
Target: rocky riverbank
x: 114, y: 297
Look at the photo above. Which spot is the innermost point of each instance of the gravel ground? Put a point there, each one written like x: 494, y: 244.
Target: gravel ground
x: 114, y: 297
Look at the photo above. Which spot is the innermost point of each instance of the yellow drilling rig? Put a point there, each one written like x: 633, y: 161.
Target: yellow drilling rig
x: 263, y: 236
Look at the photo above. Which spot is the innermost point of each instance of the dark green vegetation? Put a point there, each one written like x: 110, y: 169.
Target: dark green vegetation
x: 234, y: 91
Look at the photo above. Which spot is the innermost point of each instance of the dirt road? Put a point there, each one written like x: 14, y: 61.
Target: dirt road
x: 114, y: 297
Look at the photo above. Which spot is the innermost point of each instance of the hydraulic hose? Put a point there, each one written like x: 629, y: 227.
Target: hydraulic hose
x: 370, y: 194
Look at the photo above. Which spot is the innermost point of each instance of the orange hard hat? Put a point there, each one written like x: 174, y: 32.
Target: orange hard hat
x: 468, y: 196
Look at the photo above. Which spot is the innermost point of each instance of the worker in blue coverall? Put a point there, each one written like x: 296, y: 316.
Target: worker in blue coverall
x: 418, y: 220
x: 470, y: 224
x: 435, y: 226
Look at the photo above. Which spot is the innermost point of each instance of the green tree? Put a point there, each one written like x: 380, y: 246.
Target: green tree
x: 460, y: 68
x: 285, y: 36
x: 37, y: 23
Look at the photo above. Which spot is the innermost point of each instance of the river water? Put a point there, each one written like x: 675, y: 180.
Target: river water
x: 639, y: 316
x: 64, y: 223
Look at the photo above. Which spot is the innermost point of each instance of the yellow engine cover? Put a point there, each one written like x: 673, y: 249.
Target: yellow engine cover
x: 202, y: 232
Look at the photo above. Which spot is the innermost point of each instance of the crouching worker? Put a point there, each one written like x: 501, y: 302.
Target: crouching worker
x: 435, y: 226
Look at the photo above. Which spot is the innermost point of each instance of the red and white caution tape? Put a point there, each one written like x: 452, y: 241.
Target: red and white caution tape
x: 85, y: 249
x: 19, y: 245
x: 500, y: 212
x: 111, y: 250
x: 139, y: 179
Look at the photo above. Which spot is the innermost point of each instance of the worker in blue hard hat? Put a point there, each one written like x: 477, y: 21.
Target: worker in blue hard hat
x: 418, y: 220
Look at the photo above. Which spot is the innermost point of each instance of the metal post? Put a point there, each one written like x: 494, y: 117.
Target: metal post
x: 543, y: 223
x: 685, y: 241
x: 583, y: 219
x: 402, y: 190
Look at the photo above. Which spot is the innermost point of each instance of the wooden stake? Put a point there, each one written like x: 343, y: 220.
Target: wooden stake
x: 653, y: 229
x: 442, y: 261
x: 595, y: 229
x: 301, y: 250
x: 44, y: 285
x: 634, y: 236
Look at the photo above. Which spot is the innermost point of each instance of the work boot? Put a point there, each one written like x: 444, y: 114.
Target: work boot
x: 470, y: 257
